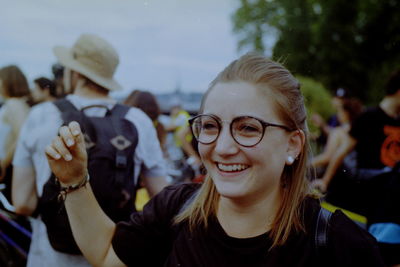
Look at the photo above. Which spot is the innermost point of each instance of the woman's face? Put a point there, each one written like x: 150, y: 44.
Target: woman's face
x: 238, y: 171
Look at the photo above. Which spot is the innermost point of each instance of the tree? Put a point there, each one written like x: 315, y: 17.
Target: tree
x: 352, y: 44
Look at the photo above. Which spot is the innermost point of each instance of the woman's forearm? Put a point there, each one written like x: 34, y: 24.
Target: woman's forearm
x: 92, y: 229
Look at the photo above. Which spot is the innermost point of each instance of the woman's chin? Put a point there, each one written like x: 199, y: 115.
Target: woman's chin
x: 232, y: 191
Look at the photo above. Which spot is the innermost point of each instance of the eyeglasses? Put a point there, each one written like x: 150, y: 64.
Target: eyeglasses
x: 245, y: 130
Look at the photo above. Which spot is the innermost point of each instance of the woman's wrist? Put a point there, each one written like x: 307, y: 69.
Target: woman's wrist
x: 65, y: 188
x: 76, y: 180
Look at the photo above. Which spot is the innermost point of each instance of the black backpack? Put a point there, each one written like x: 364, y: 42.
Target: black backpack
x: 110, y: 142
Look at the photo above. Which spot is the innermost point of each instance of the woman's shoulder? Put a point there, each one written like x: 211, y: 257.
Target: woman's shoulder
x: 13, y: 104
x: 178, y: 193
x: 183, y: 187
x: 343, y: 229
x: 163, y: 207
x: 351, y: 243
x: 347, y: 242
x: 170, y: 200
x: 15, y: 111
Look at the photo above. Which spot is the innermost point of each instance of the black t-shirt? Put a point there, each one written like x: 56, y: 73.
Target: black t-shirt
x: 378, y: 139
x: 151, y: 239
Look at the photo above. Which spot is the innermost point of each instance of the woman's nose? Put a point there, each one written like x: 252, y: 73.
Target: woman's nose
x: 225, y: 144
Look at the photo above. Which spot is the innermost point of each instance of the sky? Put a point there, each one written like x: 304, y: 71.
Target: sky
x: 162, y: 44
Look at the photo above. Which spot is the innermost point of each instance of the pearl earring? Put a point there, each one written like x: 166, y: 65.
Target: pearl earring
x: 290, y: 159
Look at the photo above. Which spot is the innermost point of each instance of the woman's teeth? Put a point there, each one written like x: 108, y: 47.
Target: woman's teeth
x: 232, y: 167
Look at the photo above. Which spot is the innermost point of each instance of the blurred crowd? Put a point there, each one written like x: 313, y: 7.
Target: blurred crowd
x: 360, y: 152
x: 17, y: 98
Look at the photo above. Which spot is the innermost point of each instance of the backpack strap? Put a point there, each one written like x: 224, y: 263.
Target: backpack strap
x: 70, y: 113
x: 321, y: 232
x: 119, y: 110
x: 64, y: 105
x: 117, y: 113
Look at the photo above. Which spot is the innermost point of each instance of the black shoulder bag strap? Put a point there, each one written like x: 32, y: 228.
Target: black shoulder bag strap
x: 321, y: 233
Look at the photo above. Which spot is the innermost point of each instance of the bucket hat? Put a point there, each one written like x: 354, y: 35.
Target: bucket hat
x: 93, y: 57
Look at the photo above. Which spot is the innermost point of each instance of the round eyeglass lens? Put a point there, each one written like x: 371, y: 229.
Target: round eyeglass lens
x: 247, y: 131
x: 205, y: 129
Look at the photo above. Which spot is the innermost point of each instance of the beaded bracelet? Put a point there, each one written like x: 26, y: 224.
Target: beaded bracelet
x: 64, y: 190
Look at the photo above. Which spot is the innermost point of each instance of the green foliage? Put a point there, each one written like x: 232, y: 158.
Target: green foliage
x: 351, y: 44
x: 317, y: 98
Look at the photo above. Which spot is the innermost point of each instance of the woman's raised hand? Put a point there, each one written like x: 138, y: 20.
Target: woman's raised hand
x: 67, y: 154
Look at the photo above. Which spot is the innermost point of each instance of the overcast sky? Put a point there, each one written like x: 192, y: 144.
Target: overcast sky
x: 162, y: 43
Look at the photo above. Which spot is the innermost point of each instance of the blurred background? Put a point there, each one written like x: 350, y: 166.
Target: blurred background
x: 174, y: 48
x: 164, y: 45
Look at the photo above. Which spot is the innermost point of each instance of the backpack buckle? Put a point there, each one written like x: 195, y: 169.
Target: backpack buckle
x: 121, y: 161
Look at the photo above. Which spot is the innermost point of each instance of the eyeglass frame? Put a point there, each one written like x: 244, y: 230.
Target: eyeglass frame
x: 219, y: 121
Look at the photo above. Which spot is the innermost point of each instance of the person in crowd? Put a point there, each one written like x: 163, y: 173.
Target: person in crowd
x: 60, y: 82
x: 181, y: 152
x: 178, y: 124
x: 325, y: 127
x: 91, y: 64
x: 347, y: 111
x: 14, y: 90
x: 254, y: 207
x: 44, y: 90
x: 333, y: 121
x: 375, y: 138
x: 177, y: 146
x: 147, y: 102
x: 373, y: 135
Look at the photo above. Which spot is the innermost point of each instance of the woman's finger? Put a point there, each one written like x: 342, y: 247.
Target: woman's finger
x: 66, y: 135
x: 52, y: 153
x: 74, y: 128
x: 60, y: 147
x: 79, y: 149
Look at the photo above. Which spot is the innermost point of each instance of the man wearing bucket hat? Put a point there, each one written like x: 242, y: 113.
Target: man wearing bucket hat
x: 90, y: 66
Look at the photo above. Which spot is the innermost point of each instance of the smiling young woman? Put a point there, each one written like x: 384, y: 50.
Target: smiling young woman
x: 247, y: 158
x: 254, y: 207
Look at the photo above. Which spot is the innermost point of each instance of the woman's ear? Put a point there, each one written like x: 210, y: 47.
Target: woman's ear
x: 295, y: 146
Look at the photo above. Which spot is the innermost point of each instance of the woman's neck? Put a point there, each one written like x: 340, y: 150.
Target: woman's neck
x: 244, y: 219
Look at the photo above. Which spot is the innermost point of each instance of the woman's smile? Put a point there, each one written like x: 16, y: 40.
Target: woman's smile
x: 231, y: 167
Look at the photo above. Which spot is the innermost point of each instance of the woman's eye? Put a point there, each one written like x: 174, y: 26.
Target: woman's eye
x: 248, y: 128
x: 209, y: 126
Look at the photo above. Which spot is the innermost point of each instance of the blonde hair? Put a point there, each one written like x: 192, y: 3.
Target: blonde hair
x: 265, y: 74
